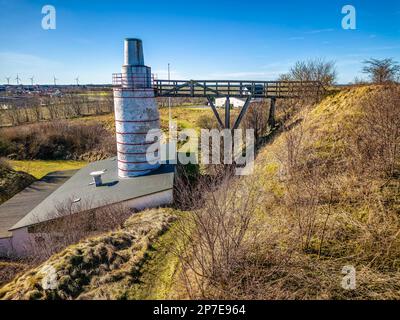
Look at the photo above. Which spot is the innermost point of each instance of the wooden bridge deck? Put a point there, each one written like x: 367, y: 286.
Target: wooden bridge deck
x: 211, y: 89
x: 217, y: 88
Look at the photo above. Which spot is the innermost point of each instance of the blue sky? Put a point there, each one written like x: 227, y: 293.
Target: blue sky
x: 201, y: 39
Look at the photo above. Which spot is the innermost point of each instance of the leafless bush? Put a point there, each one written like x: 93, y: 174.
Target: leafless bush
x: 382, y: 70
x: 56, y: 140
x: 4, y: 164
x: 206, y: 122
x: 377, y: 139
x: 10, y: 268
x: 338, y: 198
x: 257, y: 118
x: 218, y: 237
x: 322, y: 72
x: 313, y: 70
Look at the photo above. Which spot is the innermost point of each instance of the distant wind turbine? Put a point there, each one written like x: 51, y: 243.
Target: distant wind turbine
x: 77, y: 80
x: 55, y: 80
x: 17, y: 78
x: 31, y: 78
x: 8, y: 80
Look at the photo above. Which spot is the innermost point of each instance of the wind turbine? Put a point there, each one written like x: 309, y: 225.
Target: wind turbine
x: 17, y: 78
x: 77, y: 80
x: 31, y: 78
x: 55, y: 80
x: 8, y: 80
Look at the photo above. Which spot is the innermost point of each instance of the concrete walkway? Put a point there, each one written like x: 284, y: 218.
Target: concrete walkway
x: 22, y: 203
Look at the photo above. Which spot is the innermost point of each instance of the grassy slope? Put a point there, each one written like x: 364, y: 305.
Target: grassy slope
x: 359, y: 218
x: 8, y: 270
x: 108, y: 266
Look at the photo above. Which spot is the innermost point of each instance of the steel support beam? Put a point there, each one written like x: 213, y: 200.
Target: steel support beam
x: 216, y: 114
x: 227, y: 113
x: 242, y: 113
x: 271, y: 116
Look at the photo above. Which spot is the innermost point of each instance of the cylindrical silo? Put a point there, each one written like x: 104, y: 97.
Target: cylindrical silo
x: 136, y: 112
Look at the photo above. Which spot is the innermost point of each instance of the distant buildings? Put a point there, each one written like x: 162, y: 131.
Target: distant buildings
x: 235, y: 102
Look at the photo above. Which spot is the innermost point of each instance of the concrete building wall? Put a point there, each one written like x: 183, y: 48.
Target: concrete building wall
x: 151, y: 200
x: 22, y: 242
x: 19, y: 244
x: 5, y: 246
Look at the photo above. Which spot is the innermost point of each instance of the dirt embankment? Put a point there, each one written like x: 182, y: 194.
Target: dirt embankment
x: 104, y: 267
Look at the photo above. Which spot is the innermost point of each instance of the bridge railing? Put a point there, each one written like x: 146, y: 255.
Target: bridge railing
x: 132, y: 80
x: 235, y: 88
x: 216, y: 88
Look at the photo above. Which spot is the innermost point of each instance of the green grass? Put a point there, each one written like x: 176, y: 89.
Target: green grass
x: 39, y: 168
x: 159, y: 270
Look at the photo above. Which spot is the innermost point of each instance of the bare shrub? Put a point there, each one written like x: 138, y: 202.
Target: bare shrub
x: 339, y: 192
x: 10, y: 268
x: 322, y: 72
x: 377, y: 139
x: 313, y: 70
x: 256, y: 118
x: 216, y: 237
x: 4, y: 165
x: 381, y: 70
x: 207, y: 122
x: 12, y: 115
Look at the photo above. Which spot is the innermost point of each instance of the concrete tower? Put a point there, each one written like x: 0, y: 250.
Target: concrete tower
x: 136, y: 112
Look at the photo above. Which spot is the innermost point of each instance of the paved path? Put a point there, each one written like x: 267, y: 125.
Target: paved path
x: 22, y: 203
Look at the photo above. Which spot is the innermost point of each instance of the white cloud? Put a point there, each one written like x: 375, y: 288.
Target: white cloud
x: 17, y: 60
x: 319, y: 31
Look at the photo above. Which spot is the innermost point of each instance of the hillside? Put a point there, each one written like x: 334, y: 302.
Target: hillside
x: 323, y: 200
x: 108, y: 266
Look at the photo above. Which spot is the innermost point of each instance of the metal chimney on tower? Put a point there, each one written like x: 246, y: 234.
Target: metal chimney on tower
x: 136, y: 112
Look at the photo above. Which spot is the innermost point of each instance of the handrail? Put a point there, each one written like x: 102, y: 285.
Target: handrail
x: 216, y: 88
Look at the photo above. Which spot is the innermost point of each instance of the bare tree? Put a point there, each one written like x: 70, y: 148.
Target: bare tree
x: 381, y: 70
x: 313, y: 70
x: 256, y: 118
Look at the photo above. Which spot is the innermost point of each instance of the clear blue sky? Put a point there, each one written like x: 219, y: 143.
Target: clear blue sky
x: 201, y: 39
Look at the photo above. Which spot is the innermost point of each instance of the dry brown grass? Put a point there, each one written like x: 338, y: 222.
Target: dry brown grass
x: 103, y: 267
x: 327, y: 196
x: 9, y: 269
